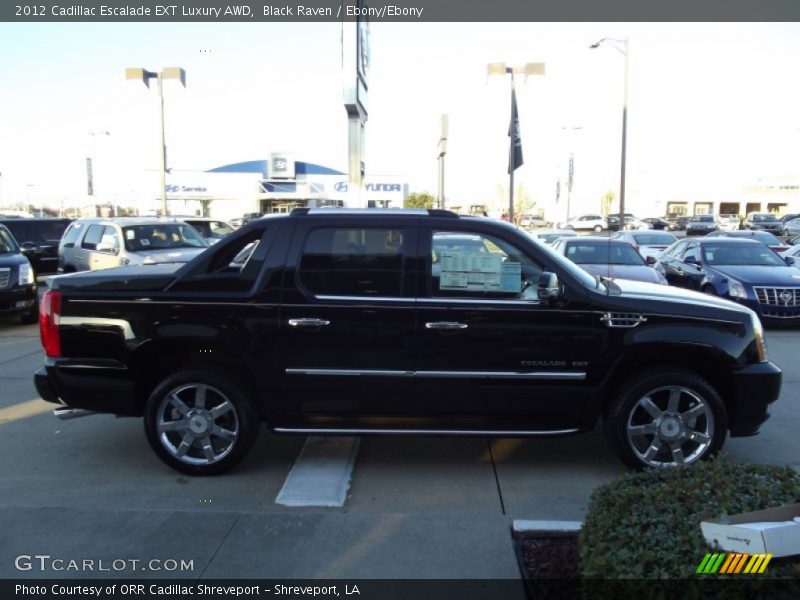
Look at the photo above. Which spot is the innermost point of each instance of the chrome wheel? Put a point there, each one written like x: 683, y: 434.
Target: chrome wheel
x: 197, y: 424
x: 669, y: 426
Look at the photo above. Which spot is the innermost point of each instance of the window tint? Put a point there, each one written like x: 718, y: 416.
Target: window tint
x: 93, y: 235
x: 110, y: 238
x: 678, y: 249
x: 477, y: 265
x: 353, y: 262
x: 7, y: 242
x: 692, y: 252
x: 583, y: 253
x: 161, y: 236
x: 72, y: 234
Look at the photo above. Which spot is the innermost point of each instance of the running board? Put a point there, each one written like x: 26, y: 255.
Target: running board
x: 399, y: 431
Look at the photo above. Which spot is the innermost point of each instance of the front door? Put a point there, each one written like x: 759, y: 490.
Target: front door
x: 490, y: 353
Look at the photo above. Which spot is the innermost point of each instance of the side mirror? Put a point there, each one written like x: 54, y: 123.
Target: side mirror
x: 691, y: 260
x: 789, y: 260
x: 651, y: 261
x: 107, y: 248
x: 28, y: 246
x: 548, y: 287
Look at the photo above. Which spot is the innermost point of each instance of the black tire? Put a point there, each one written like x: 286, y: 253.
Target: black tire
x: 696, y: 398
x: 239, y: 418
x: 598, y: 229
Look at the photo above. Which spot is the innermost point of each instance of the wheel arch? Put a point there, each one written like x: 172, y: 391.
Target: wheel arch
x: 155, y: 360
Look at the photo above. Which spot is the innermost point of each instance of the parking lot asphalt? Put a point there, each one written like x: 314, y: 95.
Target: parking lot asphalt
x: 417, y: 507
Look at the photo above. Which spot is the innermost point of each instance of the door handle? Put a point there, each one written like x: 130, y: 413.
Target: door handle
x: 448, y: 325
x: 308, y: 323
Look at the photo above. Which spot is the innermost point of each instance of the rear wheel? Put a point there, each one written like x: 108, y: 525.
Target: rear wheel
x: 666, y: 418
x: 598, y: 229
x: 200, y: 422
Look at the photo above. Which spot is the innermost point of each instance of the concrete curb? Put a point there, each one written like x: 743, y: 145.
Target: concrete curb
x: 525, y: 525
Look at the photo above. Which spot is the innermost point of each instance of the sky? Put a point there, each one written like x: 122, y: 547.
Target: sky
x: 712, y: 107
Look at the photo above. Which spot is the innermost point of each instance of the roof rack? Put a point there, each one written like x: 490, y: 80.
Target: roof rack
x: 433, y: 212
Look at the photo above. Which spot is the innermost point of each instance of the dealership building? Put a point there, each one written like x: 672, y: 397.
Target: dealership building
x: 275, y: 185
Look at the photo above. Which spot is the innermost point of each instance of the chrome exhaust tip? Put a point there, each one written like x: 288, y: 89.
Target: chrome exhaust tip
x: 67, y: 413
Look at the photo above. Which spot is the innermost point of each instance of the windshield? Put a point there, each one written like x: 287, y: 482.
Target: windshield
x: 741, y: 254
x: 654, y: 239
x: 566, y: 264
x: 162, y: 236
x: 603, y: 253
x: 764, y: 218
x: 6, y: 242
x: 766, y: 238
x: 703, y: 218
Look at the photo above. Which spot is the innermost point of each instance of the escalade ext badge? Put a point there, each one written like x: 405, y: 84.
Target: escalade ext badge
x: 629, y: 320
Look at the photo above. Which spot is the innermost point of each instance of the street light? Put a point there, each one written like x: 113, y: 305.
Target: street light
x: 145, y: 76
x: 527, y: 70
x: 441, y: 155
x: 625, y: 51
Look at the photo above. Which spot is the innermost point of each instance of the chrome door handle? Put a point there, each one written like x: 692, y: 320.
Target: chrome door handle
x: 446, y: 325
x: 308, y: 323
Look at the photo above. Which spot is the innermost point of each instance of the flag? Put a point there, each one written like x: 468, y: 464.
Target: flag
x: 515, y: 148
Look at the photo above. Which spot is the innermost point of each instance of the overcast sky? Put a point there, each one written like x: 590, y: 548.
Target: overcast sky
x: 712, y: 106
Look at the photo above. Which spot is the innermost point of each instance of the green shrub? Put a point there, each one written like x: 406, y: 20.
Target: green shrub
x: 647, y: 525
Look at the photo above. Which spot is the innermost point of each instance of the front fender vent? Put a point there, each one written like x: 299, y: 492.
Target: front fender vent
x: 617, y: 319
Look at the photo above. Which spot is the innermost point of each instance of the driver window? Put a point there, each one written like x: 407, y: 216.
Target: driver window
x: 692, y: 251
x: 477, y: 265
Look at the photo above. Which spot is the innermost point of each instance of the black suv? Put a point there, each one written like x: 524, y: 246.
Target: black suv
x: 38, y: 238
x: 400, y: 322
x: 17, y: 281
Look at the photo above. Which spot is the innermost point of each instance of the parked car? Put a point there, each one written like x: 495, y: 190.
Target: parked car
x: 762, y: 236
x: 213, y: 230
x: 702, y: 224
x: 660, y: 224
x: 17, y: 281
x: 792, y: 228
x: 646, y: 243
x: 729, y: 222
x: 591, y: 222
x: 631, y: 223
x: 548, y: 236
x: 38, y: 238
x: 336, y: 324
x: 763, y: 222
x: 251, y: 217
x: 608, y: 258
x: 786, y: 218
x: 682, y: 222
x: 237, y: 222
x: 794, y: 252
x: 95, y: 243
x: 532, y: 222
x: 742, y: 270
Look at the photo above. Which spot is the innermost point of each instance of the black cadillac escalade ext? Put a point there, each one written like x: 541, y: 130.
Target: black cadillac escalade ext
x: 400, y: 322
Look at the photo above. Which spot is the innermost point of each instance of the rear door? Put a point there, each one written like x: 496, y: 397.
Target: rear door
x: 347, y: 321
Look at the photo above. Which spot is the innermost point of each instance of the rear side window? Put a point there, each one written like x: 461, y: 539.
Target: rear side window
x: 93, y: 236
x: 353, y: 262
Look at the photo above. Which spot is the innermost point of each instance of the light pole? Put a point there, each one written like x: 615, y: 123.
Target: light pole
x: 625, y: 51
x: 146, y: 76
x: 442, y: 152
x: 515, y: 148
x: 571, y: 172
x: 91, y: 162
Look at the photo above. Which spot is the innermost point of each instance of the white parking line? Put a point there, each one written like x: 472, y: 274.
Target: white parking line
x: 321, y: 474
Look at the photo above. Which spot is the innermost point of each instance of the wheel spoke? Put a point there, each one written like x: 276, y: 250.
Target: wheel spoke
x: 179, y: 425
x: 674, y: 398
x: 638, y: 430
x: 186, y: 443
x: 208, y: 449
x: 654, y: 448
x: 648, y: 404
x: 220, y: 410
x: 677, y: 454
x: 225, y: 434
x: 698, y: 437
x: 200, y: 396
x: 696, y: 411
x: 178, y: 404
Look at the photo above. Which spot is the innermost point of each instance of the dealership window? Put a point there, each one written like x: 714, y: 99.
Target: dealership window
x: 476, y: 265
x: 353, y: 262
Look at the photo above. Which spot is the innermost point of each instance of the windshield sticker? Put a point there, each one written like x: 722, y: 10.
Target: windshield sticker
x: 480, y: 272
x: 144, y: 242
x: 130, y: 234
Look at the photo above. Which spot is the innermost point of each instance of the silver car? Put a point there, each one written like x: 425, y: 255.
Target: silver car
x: 91, y: 244
x: 792, y: 227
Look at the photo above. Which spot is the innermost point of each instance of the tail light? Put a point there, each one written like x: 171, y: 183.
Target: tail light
x: 49, y: 314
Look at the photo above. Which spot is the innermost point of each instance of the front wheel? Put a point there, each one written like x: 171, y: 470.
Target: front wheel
x: 200, y: 422
x: 598, y: 229
x: 666, y: 418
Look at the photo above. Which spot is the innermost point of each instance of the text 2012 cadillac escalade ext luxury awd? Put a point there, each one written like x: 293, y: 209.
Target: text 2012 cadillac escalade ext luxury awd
x: 400, y: 322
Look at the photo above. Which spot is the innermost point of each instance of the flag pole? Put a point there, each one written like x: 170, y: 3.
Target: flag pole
x: 511, y: 156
